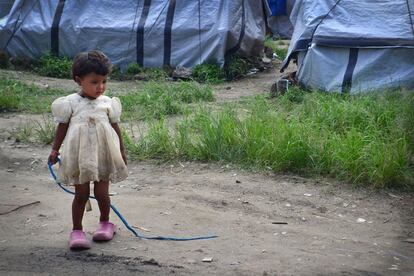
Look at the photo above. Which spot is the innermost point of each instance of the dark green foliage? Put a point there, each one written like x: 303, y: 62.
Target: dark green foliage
x: 237, y: 67
x: 209, y: 73
x: 57, y: 67
x: 133, y: 69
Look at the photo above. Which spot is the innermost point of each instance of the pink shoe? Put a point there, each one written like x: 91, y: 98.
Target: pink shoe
x: 78, y: 241
x: 105, y: 231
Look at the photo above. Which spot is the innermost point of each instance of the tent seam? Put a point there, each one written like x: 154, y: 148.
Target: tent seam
x: 409, y: 15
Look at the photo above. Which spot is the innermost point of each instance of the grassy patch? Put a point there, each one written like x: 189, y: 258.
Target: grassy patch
x: 278, y: 47
x: 237, y: 67
x: 209, y: 73
x: 365, y: 140
x: 16, y: 96
x: 156, y: 100
x: 35, y: 131
x: 135, y: 71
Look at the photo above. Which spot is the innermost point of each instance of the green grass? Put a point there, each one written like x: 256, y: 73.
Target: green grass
x: 16, y: 96
x: 278, y: 47
x: 45, y: 130
x: 159, y: 99
x: 34, y: 131
x: 364, y: 140
x: 236, y: 67
x: 208, y: 73
x: 135, y: 71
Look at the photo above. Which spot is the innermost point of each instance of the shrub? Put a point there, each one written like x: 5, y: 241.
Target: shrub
x: 53, y: 66
x: 237, y: 67
x: 209, y: 73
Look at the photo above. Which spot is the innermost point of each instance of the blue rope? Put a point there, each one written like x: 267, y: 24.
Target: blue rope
x: 124, y: 221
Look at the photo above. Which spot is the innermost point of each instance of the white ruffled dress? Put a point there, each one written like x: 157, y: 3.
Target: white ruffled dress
x: 91, y: 149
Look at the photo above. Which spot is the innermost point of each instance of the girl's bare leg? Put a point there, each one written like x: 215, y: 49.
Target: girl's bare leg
x: 78, y: 205
x: 101, y: 191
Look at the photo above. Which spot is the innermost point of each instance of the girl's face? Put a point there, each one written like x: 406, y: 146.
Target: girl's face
x: 93, y: 85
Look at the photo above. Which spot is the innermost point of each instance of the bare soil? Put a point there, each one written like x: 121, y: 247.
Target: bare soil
x: 268, y: 224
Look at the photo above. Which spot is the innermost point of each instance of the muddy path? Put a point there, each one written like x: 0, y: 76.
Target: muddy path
x: 267, y: 224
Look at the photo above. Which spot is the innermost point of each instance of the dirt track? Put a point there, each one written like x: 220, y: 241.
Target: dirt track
x: 331, y: 229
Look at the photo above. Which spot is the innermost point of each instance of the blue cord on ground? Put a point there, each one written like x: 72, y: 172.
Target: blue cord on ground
x: 124, y: 221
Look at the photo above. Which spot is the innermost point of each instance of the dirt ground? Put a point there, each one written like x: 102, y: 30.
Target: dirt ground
x: 267, y: 224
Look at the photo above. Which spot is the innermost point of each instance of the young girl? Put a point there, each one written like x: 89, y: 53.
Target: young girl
x: 93, y: 149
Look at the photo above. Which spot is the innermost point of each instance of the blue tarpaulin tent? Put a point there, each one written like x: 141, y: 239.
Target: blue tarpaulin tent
x: 152, y: 33
x: 353, y: 46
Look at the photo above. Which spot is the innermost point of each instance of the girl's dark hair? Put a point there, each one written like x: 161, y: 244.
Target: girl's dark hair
x: 90, y: 62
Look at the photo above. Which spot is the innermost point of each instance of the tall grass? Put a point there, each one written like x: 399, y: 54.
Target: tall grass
x: 156, y: 100
x: 34, y: 131
x: 365, y: 140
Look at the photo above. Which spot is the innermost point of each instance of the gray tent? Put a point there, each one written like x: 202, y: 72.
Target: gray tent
x: 152, y: 33
x: 353, y: 46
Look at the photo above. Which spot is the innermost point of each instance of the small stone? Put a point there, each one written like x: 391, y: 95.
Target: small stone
x: 10, y: 170
x: 361, y: 220
x: 308, y: 195
x: 207, y: 259
x: 284, y: 233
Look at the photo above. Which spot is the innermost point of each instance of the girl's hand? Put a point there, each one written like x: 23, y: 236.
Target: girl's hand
x: 124, y: 156
x: 53, y: 157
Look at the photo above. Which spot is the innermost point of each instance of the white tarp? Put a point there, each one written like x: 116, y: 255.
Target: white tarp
x: 152, y: 33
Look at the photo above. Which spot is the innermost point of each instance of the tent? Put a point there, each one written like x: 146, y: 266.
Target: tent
x: 152, y: 33
x: 278, y: 20
x: 353, y: 46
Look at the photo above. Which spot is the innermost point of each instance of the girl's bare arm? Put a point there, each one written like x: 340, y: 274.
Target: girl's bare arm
x: 115, y: 126
x: 61, y: 130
